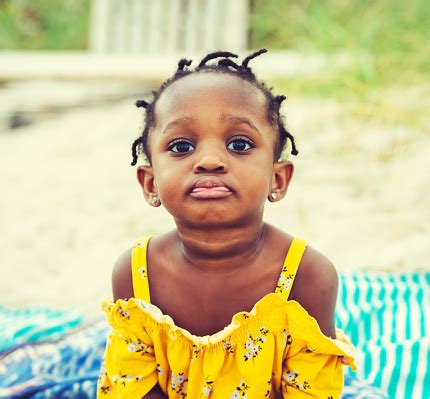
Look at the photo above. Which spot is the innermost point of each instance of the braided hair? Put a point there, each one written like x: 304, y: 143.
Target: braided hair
x: 224, y: 65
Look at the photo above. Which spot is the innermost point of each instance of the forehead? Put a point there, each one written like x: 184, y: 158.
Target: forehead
x: 210, y: 92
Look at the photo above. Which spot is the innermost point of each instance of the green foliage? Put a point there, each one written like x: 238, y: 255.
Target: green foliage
x: 43, y: 24
x: 388, y: 42
x: 331, y: 25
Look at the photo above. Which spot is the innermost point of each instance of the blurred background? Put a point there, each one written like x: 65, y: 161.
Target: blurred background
x: 356, y: 74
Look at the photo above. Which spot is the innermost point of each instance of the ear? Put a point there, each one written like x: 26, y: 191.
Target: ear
x: 281, y: 177
x: 145, y: 176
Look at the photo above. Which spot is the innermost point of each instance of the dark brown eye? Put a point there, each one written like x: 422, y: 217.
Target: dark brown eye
x: 240, y: 145
x: 181, y: 147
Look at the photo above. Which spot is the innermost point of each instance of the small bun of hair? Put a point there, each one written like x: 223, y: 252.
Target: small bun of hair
x: 280, y: 99
x: 141, y: 104
x: 216, y: 54
x: 226, y: 62
x: 183, y: 63
x: 246, y: 60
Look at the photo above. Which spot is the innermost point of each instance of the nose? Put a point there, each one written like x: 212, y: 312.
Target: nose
x: 210, y: 161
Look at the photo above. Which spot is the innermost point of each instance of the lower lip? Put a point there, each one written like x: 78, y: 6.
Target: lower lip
x: 210, y: 193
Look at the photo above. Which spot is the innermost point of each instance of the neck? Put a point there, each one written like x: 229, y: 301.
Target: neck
x: 221, y: 249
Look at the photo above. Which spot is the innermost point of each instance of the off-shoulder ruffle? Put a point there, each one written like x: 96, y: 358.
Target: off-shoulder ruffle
x: 272, y: 311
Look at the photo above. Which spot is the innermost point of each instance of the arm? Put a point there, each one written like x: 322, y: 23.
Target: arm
x: 313, y: 366
x: 315, y: 288
x: 122, y: 288
x: 122, y: 281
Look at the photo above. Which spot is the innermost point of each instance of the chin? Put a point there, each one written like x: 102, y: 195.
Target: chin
x: 213, y: 218
x: 207, y: 220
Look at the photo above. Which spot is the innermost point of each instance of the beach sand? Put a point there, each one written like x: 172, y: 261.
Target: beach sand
x: 70, y: 202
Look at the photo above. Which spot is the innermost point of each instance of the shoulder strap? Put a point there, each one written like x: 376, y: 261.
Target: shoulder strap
x: 139, y: 270
x: 289, y: 269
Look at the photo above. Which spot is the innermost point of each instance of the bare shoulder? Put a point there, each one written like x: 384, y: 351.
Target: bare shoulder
x: 315, y: 288
x: 122, y: 281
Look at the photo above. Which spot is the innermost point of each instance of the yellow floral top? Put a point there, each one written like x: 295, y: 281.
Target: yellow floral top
x: 276, y: 350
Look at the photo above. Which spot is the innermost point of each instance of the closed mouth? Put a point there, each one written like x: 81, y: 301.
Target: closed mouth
x: 210, y: 188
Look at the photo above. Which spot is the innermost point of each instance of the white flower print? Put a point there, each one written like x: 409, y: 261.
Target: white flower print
x: 292, y: 379
x: 132, y: 347
x: 104, y: 389
x: 290, y: 376
x: 159, y: 370
x: 284, y: 283
x: 287, y: 338
x: 123, y: 312
x: 123, y: 379
x: 177, y: 383
x: 252, y: 344
x: 142, y: 272
x: 137, y: 346
x: 207, y: 387
x: 228, y: 346
x: 240, y: 391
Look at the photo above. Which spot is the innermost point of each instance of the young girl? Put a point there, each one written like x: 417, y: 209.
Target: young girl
x: 224, y: 306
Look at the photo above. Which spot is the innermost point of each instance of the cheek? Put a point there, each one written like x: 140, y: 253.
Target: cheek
x: 163, y: 177
x: 256, y: 179
x: 170, y: 176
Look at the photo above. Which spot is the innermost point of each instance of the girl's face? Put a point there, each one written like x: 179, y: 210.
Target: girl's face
x: 212, y: 151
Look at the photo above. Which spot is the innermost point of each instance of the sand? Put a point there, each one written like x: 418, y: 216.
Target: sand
x: 70, y: 202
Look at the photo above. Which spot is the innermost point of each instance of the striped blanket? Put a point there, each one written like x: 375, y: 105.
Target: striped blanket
x: 33, y: 324
x: 67, y: 368
x: 384, y: 314
x: 387, y: 317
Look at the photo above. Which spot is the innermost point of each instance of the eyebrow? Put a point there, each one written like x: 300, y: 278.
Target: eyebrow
x: 224, y: 117
x: 180, y: 121
x: 239, y: 119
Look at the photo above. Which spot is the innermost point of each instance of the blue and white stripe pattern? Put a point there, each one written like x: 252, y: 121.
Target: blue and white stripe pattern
x: 35, y: 323
x: 356, y: 388
x: 387, y: 317
x: 67, y: 368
